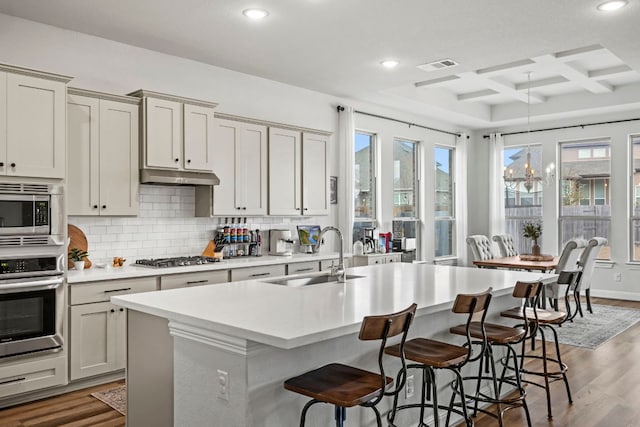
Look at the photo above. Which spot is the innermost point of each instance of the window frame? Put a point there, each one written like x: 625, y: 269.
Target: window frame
x: 416, y: 179
x: 452, y: 219
x: 634, y: 197
x: 374, y: 178
x: 580, y: 145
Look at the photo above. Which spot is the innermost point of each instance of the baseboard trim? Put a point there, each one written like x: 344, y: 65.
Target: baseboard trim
x: 627, y: 296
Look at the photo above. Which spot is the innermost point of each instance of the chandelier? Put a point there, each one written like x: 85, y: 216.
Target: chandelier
x: 529, y: 173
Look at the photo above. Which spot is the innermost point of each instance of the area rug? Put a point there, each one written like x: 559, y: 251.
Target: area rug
x: 595, y: 329
x: 114, y: 397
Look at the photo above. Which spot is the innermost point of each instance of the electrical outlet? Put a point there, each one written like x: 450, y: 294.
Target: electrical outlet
x: 409, y: 388
x: 617, y: 277
x: 223, y: 385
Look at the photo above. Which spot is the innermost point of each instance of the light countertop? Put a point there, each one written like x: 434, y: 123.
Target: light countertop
x: 289, y: 317
x: 131, y: 271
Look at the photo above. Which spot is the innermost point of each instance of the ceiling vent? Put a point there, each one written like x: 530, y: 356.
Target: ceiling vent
x: 438, y: 65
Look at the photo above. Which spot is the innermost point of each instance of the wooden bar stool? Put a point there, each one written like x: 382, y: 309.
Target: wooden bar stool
x: 430, y: 355
x: 540, y: 320
x: 507, y: 337
x: 345, y: 386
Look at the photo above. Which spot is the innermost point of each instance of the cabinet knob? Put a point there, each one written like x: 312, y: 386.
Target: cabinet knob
x: 297, y: 209
x: 104, y: 206
x: 188, y: 160
x: 122, y: 309
x: 1, y: 164
x: 306, y: 209
x: 113, y: 310
x: 238, y: 208
x: 13, y: 165
x: 244, y: 208
x: 177, y: 160
x: 95, y: 206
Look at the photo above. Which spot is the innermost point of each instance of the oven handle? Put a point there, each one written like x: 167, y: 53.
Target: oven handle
x: 41, y: 284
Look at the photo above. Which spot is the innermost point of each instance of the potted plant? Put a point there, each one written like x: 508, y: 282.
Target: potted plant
x: 533, y: 231
x: 77, y: 256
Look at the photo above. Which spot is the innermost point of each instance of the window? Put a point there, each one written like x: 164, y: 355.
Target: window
x: 364, y: 176
x: 584, y: 200
x: 404, y: 179
x: 635, y: 205
x: 444, y: 202
x: 522, y: 205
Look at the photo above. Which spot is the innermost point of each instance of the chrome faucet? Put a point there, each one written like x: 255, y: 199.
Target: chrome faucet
x: 339, y: 271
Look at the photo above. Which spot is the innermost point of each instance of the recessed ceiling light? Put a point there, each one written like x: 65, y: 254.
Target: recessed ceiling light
x: 608, y: 6
x: 255, y: 13
x: 390, y: 63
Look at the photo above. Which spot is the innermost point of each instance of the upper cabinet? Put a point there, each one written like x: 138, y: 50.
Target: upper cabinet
x: 241, y: 165
x: 32, y: 123
x: 103, y: 153
x: 298, y: 181
x: 178, y: 133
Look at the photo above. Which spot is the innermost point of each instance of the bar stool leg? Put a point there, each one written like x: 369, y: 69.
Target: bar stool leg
x: 306, y: 407
x: 392, y: 415
x: 564, y: 374
x: 341, y: 415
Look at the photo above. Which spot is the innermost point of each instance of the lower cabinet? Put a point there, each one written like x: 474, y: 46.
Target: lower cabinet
x: 22, y: 377
x: 186, y: 280
x: 263, y: 272
x: 98, y: 336
x: 97, y: 328
x: 303, y: 267
x: 372, y: 259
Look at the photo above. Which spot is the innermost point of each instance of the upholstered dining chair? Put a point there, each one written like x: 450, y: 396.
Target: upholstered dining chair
x: 568, y: 261
x: 587, y: 262
x: 505, y: 244
x: 481, y: 247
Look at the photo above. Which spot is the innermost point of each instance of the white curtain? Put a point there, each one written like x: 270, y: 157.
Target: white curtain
x: 461, y: 197
x: 346, y: 136
x: 496, y: 171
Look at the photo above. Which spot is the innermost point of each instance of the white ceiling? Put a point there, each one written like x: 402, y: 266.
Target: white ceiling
x: 582, y: 61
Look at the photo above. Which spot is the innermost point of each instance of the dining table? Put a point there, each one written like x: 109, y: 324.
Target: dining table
x: 518, y: 262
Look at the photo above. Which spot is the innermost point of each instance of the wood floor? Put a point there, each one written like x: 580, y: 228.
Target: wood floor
x: 605, y: 384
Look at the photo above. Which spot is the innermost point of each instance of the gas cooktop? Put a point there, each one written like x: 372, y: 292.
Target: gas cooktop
x: 175, y: 261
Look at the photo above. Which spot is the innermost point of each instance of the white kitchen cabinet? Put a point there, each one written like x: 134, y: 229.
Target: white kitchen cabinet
x: 372, y: 259
x: 178, y: 133
x: 303, y: 267
x: 298, y: 181
x: 103, y: 154
x: 35, y: 373
x: 262, y: 272
x: 98, y: 334
x: 185, y: 280
x: 241, y: 165
x: 33, y: 123
x: 97, y: 328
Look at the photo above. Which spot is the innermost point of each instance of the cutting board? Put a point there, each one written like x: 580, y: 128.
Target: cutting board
x: 77, y: 239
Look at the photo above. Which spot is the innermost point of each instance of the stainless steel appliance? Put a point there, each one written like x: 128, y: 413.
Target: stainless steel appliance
x: 32, y: 300
x: 175, y: 261
x: 280, y: 242
x: 31, y: 214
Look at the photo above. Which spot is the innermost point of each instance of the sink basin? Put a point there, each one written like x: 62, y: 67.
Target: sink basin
x: 299, y: 281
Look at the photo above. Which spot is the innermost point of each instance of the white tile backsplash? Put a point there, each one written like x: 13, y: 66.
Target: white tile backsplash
x: 165, y: 226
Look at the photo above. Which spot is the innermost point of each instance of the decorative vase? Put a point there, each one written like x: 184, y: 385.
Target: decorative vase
x: 535, y: 249
x: 78, y: 265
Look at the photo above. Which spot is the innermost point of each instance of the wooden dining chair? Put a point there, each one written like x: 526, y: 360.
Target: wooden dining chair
x: 346, y: 386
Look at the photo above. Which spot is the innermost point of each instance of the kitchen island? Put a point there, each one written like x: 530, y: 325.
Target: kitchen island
x: 217, y: 355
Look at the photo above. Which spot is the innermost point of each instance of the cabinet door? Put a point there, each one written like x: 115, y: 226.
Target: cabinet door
x: 118, y: 171
x: 227, y: 137
x: 93, y: 340
x: 198, y: 138
x: 314, y: 174
x: 3, y: 123
x: 36, y: 127
x: 284, y: 172
x: 251, y: 170
x: 83, y: 123
x: 163, y: 133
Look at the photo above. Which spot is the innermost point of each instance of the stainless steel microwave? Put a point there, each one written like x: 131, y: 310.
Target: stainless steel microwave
x: 31, y: 211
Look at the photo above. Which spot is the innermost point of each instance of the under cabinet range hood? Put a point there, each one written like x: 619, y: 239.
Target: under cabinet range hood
x: 174, y: 177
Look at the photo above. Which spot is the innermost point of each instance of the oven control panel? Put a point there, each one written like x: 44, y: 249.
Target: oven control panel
x: 27, y: 265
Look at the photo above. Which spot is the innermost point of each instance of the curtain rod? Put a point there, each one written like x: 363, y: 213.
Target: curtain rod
x: 341, y: 108
x: 568, y: 127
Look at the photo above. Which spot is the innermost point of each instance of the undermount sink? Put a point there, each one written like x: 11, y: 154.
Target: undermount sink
x: 300, y: 281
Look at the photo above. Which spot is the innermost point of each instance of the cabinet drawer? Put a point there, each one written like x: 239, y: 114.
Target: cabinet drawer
x: 84, y: 293
x: 194, y: 279
x: 326, y: 264
x: 393, y: 258
x: 251, y: 273
x: 28, y: 376
x: 303, y: 267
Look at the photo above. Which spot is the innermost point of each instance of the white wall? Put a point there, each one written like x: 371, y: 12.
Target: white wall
x: 603, y: 283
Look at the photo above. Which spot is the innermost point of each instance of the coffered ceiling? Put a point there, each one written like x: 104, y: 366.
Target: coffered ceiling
x: 582, y: 61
